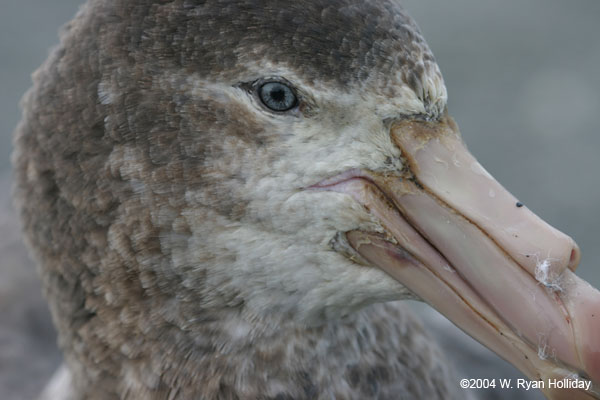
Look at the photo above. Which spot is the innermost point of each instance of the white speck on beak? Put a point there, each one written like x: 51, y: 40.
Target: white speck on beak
x: 545, y: 277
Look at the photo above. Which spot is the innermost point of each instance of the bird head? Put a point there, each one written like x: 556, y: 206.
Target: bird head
x: 288, y: 163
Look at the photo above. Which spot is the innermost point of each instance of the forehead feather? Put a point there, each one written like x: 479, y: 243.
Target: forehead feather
x: 343, y: 42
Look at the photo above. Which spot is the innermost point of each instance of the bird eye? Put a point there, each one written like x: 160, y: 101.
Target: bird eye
x: 277, y: 96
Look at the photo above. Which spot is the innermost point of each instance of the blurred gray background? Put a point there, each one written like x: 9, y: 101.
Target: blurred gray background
x: 524, y: 85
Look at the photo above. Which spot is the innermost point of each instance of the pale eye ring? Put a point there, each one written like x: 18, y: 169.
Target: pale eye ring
x: 277, y: 96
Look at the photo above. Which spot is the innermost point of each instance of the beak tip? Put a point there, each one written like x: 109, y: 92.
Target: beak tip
x: 575, y: 257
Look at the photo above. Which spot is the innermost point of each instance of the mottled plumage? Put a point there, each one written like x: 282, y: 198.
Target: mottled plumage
x: 162, y: 202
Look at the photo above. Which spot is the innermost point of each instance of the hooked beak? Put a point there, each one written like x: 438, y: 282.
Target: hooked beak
x: 461, y: 242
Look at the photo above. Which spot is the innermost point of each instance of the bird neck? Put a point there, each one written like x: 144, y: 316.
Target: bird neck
x: 233, y: 356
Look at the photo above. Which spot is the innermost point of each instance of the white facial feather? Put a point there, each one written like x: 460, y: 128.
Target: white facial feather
x: 279, y: 261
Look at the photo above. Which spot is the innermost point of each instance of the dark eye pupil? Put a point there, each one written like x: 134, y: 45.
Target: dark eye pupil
x: 277, y: 96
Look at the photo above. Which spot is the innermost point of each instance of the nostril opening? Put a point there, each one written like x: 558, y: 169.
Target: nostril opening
x: 575, y: 257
